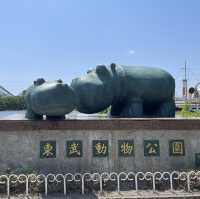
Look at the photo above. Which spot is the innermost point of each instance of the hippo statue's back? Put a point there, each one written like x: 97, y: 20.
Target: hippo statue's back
x: 131, y: 91
x: 148, y: 83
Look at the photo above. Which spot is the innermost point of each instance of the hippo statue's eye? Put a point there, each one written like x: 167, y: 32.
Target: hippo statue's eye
x: 102, y: 71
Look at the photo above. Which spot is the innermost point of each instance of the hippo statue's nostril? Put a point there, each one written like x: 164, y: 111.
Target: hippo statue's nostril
x: 89, y: 70
x: 39, y: 81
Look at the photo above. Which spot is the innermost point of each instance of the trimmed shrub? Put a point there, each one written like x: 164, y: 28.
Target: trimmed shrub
x: 12, y: 103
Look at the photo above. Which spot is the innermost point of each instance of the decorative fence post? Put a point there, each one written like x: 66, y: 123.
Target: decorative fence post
x: 169, y: 178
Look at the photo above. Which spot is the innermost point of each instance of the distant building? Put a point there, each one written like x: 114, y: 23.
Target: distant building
x: 4, y: 92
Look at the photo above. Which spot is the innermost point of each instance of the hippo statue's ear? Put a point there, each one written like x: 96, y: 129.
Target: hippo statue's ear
x: 59, y: 81
x: 102, y: 71
x: 113, y: 67
x: 39, y: 82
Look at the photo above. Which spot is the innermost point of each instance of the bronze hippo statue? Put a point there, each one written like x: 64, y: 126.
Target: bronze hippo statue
x: 131, y: 91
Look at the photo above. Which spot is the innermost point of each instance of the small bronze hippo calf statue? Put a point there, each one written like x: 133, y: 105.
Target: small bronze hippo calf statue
x: 53, y: 99
x: 131, y: 91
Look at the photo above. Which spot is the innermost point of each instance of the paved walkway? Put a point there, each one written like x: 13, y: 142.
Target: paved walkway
x: 115, y: 195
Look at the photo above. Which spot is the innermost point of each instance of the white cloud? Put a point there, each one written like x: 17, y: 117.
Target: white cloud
x: 131, y: 52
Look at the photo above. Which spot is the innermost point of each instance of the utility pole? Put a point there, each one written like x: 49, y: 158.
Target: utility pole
x: 185, y: 86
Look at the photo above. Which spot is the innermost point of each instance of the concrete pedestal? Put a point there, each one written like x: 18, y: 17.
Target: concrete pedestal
x: 100, y: 145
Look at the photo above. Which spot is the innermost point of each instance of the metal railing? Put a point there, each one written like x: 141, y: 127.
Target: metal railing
x: 189, y: 181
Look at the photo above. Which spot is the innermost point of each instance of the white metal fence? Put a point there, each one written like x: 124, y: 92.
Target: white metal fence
x: 188, y: 181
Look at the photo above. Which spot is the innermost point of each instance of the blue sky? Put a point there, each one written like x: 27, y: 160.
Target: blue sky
x: 63, y: 38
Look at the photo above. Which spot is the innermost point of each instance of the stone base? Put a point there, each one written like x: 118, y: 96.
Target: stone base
x: 100, y: 145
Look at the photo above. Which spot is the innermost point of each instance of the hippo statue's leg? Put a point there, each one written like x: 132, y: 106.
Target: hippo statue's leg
x: 131, y: 108
x: 32, y: 115
x: 166, y: 109
x: 134, y: 108
x: 116, y: 109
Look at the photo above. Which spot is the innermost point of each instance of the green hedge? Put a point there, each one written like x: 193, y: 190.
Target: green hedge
x: 12, y: 103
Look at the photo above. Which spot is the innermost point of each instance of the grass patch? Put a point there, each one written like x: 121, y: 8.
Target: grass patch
x: 185, y: 112
x: 188, y: 113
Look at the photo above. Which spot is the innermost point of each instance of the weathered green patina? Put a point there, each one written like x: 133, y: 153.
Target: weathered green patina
x: 131, y: 91
x: 53, y: 99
